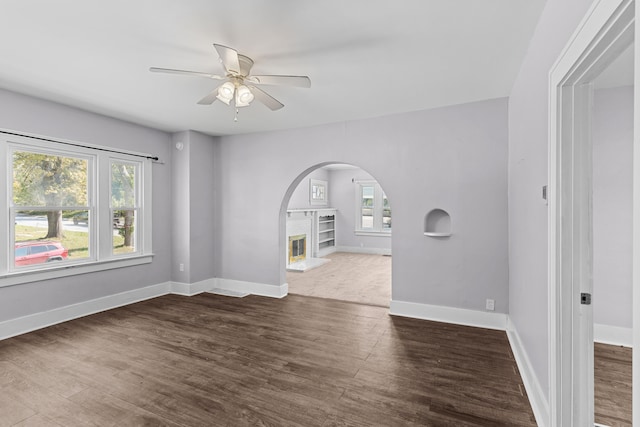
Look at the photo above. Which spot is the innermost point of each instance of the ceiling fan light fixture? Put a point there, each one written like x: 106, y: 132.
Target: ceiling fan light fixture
x: 225, y: 92
x: 243, y: 96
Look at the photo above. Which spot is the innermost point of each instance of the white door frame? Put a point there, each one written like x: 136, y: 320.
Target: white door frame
x: 604, y: 33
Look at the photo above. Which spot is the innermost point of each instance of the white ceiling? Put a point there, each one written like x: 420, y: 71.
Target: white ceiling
x: 365, y: 58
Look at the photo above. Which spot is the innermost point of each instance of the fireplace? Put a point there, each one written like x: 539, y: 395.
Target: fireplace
x: 297, y: 248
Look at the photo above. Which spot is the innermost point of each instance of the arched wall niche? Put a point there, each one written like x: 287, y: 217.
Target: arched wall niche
x: 437, y: 223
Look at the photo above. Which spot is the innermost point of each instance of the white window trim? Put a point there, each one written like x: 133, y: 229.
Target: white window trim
x: 100, y: 258
x: 20, y: 277
x: 377, y: 213
x: 139, y: 198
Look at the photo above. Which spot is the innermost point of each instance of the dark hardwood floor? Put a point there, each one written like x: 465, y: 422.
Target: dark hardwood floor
x: 210, y: 360
x: 612, y: 375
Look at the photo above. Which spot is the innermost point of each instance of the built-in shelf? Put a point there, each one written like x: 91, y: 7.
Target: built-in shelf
x: 432, y: 234
x: 437, y: 223
x: 326, y: 228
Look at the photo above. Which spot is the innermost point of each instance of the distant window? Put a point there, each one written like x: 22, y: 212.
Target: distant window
x: 373, y: 211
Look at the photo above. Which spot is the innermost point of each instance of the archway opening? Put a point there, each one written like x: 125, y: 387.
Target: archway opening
x: 336, y: 226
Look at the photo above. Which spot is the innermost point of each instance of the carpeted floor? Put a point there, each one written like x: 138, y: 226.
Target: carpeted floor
x: 351, y: 277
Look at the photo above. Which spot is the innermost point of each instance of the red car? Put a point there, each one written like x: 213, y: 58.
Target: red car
x: 28, y: 253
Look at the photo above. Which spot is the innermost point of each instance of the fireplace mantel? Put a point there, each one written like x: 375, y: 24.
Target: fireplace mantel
x: 319, y: 226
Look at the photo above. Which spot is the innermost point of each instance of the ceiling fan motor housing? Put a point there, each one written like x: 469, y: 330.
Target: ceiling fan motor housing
x: 245, y: 65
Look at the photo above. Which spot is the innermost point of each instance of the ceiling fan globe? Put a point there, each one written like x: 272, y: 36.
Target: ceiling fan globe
x: 243, y: 96
x: 225, y: 92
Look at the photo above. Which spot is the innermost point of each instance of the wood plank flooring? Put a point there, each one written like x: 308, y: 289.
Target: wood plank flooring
x: 612, y: 375
x: 210, y: 360
x: 362, y: 278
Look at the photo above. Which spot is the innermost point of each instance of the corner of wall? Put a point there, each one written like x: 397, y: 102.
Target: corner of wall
x: 537, y: 398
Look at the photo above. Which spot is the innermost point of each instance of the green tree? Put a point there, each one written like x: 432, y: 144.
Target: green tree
x: 123, y: 196
x: 50, y: 182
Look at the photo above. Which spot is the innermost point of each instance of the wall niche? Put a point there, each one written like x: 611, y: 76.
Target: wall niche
x: 437, y: 223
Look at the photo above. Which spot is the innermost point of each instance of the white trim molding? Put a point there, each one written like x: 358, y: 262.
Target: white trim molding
x: 458, y: 316
x: 254, y: 288
x: 22, y: 325
x: 613, y: 335
x: 606, y: 31
x: 362, y: 250
x: 537, y: 398
x: 190, y: 289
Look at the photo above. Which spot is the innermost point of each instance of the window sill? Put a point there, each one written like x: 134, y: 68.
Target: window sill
x: 19, y: 277
x: 373, y: 233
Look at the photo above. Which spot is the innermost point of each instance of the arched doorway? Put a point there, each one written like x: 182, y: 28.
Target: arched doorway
x: 336, y: 228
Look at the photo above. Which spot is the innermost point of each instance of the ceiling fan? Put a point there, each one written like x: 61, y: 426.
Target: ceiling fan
x: 240, y: 87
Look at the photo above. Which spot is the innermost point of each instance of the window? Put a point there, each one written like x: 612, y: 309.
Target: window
x: 373, y: 211
x: 124, y: 206
x: 47, y: 191
x: 69, y: 207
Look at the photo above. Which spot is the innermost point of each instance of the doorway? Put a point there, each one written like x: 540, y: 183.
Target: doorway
x: 612, y: 137
x: 346, y: 216
x: 605, y: 33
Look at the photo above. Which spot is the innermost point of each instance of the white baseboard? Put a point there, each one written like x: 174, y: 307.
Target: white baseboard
x: 32, y: 322
x: 537, y: 399
x: 190, y: 289
x: 262, y: 289
x: 459, y: 316
x: 613, y: 335
x: 360, y: 250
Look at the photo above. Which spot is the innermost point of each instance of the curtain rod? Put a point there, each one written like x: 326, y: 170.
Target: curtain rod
x: 154, y: 158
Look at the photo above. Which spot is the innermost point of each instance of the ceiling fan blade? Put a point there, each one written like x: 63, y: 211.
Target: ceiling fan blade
x: 210, y: 98
x: 186, y: 73
x: 298, y: 81
x: 266, y: 99
x: 229, y: 58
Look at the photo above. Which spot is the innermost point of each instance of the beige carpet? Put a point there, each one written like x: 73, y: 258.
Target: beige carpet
x: 352, y: 277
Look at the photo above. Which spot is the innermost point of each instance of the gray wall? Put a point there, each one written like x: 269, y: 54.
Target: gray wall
x: 31, y: 115
x: 180, y: 208
x: 300, y: 197
x: 612, y: 206
x: 193, y: 207
x: 528, y: 139
x: 343, y: 197
x: 452, y: 158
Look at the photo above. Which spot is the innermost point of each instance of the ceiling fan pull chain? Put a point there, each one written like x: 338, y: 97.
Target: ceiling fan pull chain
x: 235, y: 119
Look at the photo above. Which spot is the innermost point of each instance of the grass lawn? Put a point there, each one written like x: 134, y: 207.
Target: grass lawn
x: 77, y: 242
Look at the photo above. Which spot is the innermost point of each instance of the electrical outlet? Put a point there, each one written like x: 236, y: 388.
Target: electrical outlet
x: 182, y: 268
x: 491, y: 305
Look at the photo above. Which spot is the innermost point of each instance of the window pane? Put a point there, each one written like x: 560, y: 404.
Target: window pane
x: 48, y: 180
x: 367, y: 195
x: 123, y: 184
x: 366, y: 203
x: 386, y: 213
x: 48, y: 236
x: 124, y: 231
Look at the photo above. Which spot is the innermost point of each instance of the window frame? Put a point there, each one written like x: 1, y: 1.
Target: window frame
x: 137, y: 205
x: 378, y: 210
x: 98, y: 207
